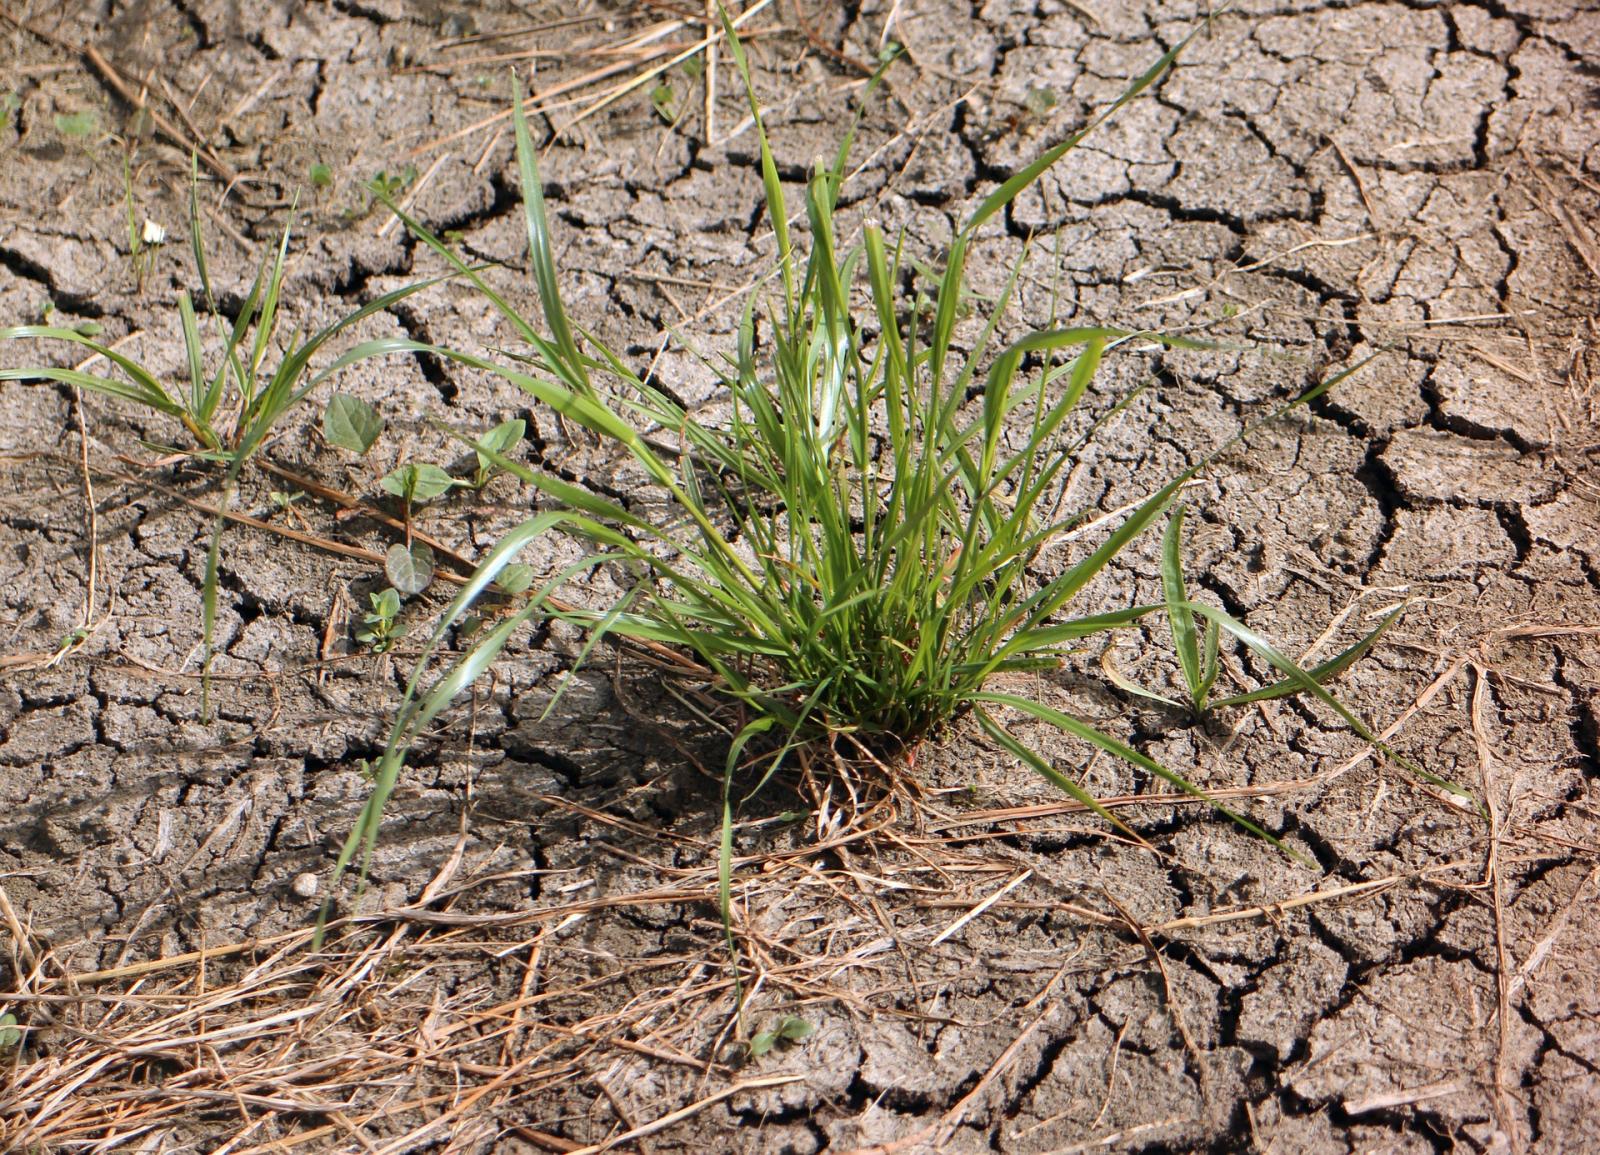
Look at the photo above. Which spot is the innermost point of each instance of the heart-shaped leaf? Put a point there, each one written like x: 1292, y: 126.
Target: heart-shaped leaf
x: 350, y: 423
x: 514, y: 578
x: 409, y: 570
x: 501, y: 438
x: 418, y: 482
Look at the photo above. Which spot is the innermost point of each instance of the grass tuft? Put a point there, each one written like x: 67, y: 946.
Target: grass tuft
x: 849, y: 553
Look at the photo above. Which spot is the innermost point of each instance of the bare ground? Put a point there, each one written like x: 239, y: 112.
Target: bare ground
x: 538, y: 964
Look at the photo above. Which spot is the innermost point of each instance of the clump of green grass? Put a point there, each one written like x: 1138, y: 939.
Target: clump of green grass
x: 229, y: 407
x: 848, y: 554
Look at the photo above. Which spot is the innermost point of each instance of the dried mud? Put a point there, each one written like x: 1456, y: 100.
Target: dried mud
x: 1314, y: 183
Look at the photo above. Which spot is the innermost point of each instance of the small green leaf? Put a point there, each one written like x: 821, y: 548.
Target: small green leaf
x: 386, y: 603
x: 514, y: 578
x: 793, y: 1029
x: 350, y: 423
x: 500, y: 441
x: 77, y: 124
x: 401, y: 482
x: 418, y: 482
x: 321, y: 175
x: 1179, y: 616
x: 409, y: 569
x: 790, y: 1029
x: 431, y: 482
x: 10, y: 1035
x: 661, y: 97
x: 9, y: 104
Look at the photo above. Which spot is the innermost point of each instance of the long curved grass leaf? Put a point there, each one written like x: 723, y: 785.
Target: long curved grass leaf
x: 150, y: 391
x: 1308, y: 684
x: 1321, y: 674
x: 1013, y: 187
x: 1070, y: 725
x: 1126, y: 684
x: 105, y: 386
x: 541, y: 253
x: 1041, y: 764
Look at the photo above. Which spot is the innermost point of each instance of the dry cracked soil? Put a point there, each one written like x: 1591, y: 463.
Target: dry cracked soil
x: 537, y: 964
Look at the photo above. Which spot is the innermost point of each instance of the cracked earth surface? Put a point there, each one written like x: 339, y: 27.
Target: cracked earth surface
x: 1314, y: 183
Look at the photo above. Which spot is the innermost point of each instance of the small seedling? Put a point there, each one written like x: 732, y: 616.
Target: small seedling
x: 77, y: 125
x: 144, y: 241
x: 415, y: 484
x: 664, y: 101
x: 388, y: 186
x: 320, y: 175
x: 1196, y: 642
x: 790, y: 1029
x: 350, y: 423
x: 379, y: 628
x: 498, y: 441
x: 10, y: 105
x: 1040, y: 102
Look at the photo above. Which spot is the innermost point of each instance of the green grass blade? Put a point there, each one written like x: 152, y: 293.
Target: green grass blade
x: 1082, y: 730
x: 1013, y: 187
x: 777, y: 211
x: 1306, y: 683
x: 1178, y: 614
x: 1321, y: 674
x: 106, y: 386
x: 194, y: 353
x: 208, y: 596
x: 541, y: 253
x: 150, y: 390
x: 1060, y: 781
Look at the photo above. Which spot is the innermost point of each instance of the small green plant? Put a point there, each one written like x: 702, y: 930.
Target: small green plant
x: 10, y: 105
x: 386, y: 186
x: 10, y: 1032
x: 144, y: 240
x: 228, y: 409
x: 789, y: 1030
x: 850, y: 557
x: 379, y: 628
x: 498, y: 442
x: 664, y: 101
x: 1040, y: 102
x: 320, y: 175
x: 415, y: 483
x: 48, y: 311
x: 284, y: 501
x: 77, y: 125
x: 1196, y: 643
